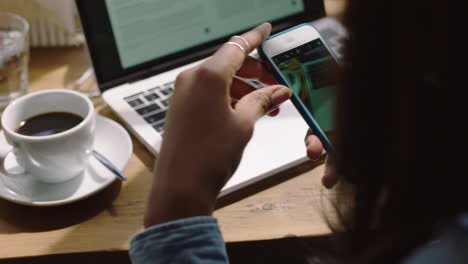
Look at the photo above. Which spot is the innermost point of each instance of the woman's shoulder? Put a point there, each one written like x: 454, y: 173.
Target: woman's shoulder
x: 450, y: 247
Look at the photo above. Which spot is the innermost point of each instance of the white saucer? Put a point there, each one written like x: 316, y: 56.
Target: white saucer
x: 112, y: 140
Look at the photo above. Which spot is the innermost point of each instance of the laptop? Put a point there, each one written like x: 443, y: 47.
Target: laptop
x: 138, y: 47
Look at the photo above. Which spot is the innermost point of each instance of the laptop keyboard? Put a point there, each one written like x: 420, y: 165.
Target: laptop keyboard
x: 152, y: 104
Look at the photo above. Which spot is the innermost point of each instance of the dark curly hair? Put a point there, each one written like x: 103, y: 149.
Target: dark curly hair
x: 400, y: 135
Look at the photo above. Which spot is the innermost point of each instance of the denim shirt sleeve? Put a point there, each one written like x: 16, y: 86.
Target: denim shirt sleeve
x: 189, y: 240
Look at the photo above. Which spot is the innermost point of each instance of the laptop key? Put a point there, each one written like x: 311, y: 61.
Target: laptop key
x: 148, y: 109
x: 159, y: 127
x: 135, y: 103
x: 151, y: 97
x: 165, y: 102
x: 133, y: 96
x: 166, y: 90
x: 156, y: 117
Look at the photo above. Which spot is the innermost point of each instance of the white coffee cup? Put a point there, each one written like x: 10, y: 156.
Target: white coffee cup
x: 52, y: 158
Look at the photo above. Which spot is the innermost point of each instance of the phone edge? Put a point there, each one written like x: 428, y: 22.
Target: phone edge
x: 306, y: 115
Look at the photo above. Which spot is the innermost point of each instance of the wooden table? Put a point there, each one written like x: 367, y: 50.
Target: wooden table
x: 285, y: 206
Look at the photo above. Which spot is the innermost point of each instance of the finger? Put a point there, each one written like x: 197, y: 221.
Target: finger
x: 274, y: 112
x: 309, y: 132
x: 240, y: 88
x: 256, y: 104
x: 254, y: 69
x: 330, y: 178
x: 314, y: 147
x: 230, y: 57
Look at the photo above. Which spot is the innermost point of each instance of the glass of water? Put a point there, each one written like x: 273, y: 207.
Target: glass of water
x: 14, y: 57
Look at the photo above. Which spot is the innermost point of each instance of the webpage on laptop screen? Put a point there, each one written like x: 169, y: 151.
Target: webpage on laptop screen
x: 149, y: 29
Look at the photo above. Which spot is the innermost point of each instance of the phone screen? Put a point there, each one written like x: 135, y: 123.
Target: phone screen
x: 306, y: 68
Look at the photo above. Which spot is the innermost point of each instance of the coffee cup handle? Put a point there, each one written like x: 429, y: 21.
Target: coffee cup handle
x: 4, y: 152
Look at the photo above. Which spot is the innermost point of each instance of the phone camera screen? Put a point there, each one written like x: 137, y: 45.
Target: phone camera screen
x: 307, y: 69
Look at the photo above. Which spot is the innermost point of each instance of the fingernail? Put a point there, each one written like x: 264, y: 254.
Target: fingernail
x: 266, y: 24
x: 265, y: 28
x: 280, y: 96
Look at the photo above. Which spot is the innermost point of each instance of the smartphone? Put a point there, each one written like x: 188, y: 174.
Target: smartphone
x: 300, y: 59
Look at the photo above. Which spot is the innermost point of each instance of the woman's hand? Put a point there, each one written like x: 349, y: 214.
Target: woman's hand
x: 314, y: 152
x: 205, y: 134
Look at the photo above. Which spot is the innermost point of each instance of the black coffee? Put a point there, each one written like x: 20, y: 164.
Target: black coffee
x: 48, y: 124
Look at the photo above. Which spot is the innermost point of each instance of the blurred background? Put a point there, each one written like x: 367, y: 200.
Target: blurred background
x: 53, y: 23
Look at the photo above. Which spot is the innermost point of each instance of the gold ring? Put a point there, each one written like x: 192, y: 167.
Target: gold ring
x: 237, y: 45
x: 244, y: 40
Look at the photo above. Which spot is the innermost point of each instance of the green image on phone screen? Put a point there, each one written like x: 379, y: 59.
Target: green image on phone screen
x: 307, y: 71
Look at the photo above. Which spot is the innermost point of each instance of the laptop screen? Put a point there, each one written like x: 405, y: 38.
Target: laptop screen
x: 130, y: 40
x: 147, y: 30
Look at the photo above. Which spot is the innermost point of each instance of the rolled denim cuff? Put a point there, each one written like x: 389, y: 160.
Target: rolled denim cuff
x: 188, y: 240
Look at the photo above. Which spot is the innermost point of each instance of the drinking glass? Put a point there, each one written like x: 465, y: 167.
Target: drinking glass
x: 14, y: 57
